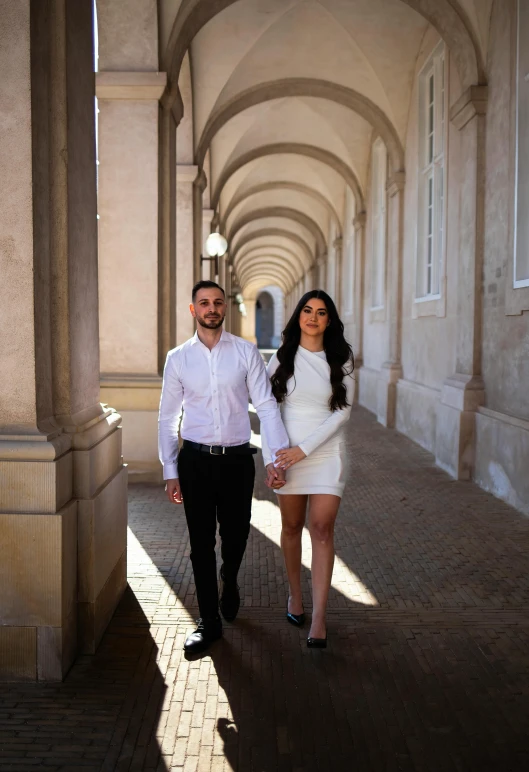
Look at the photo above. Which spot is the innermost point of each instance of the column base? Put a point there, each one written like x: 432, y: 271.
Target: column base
x: 63, y: 519
x: 389, y: 376
x: 38, y: 580
x: 455, y: 437
x: 137, y: 398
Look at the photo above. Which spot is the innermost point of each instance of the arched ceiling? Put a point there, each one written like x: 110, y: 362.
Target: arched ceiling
x: 286, y: 97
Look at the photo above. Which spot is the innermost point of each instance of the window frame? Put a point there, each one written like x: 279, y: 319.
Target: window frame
x: 432, y: 174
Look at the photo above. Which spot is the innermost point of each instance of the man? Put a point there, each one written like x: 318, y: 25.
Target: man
x: 208, y: 379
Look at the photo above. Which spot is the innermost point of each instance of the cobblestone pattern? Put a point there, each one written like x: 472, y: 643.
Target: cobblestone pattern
x: 427, y: 666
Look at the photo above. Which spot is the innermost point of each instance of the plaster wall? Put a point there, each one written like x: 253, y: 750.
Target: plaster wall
x: 502, y: 429
x: 128, y: 235
x: 505, y: 337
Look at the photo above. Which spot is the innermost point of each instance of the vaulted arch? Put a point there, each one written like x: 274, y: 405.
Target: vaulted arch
x: 265, y: 187
x: 446, y: 16
x: 279, y: 233
x: 259, y: 270
x: 277, y: 262
x: 262, y: 278
x: 272, y: 250
x: 294, y: 148
x: 285, y: 212
x: 304, y: 87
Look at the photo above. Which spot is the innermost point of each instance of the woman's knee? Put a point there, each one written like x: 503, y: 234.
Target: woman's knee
x: 292, y: 529
x: 321, y: 531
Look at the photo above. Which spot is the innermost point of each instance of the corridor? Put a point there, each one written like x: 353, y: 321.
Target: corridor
x: 427, y: 669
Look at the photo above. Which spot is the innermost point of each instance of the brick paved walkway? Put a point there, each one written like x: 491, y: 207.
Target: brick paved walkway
x: 428, y: 665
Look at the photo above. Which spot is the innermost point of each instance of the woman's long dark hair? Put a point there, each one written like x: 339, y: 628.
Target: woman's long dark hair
x: 338, y: 352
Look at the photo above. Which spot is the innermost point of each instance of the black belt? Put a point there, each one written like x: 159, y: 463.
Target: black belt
x: 219, y: 450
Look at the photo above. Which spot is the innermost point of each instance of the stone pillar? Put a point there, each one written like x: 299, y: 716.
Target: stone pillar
x: 185, y: 178
x: 338, y: 272
x: 359, y: 224
x: 321, y: 273
x: 199, y: 186
x: 228, y: 290
x: 208, y: 267
x: 136, y: 255
x: 391, y: 370
x: 62, y: 482
x: 464, y: 391
x: 222, y: 272
x: 167, y: 234
x: 248, y: 322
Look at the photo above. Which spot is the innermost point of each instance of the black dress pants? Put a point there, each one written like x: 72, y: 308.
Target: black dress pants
x: 215, y: 488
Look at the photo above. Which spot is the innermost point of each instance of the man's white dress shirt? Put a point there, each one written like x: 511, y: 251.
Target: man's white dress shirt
x: 210, y: 389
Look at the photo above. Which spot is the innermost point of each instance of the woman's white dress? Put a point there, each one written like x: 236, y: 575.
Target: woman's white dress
x: 311, y: 425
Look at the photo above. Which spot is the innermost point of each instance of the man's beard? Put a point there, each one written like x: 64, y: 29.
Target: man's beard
x: 210, y: 324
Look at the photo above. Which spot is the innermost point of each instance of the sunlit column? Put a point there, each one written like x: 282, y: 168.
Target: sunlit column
x: 391, y: 370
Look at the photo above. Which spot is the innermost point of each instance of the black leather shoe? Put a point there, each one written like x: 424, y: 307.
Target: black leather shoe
x: 207, y: 631
x: 230, y: 599
x: 298, y: 620
x: 317, y: 643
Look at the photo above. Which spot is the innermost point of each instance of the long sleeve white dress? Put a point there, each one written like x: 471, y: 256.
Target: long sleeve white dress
x: 311, y: 425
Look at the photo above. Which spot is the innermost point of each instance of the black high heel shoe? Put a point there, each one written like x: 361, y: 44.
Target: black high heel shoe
x: 317, y: 643
x: 298, y: 620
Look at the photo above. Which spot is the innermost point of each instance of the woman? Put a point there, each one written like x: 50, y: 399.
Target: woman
x: 311, y: 377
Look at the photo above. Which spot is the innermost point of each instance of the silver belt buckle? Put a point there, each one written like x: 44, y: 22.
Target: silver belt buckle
x: 216, y: 454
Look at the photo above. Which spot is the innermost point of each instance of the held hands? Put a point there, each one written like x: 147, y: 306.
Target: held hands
x: 174, y: 493
x: 289, y: 456
x: 275, y: 478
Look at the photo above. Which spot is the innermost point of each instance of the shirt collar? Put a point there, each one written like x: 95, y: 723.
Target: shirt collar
x: 225, y: 337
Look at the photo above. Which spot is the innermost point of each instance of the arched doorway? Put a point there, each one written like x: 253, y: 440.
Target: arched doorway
x: 264, y: 320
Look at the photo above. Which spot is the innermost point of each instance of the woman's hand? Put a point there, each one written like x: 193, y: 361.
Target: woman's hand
x: 275, y: 478
x: 289, y: 456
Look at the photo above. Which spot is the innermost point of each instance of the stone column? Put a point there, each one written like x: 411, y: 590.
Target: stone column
x: 136, y: 254
x: 199, y: 186
x: 208, y: 267
x: 228, y: 290
x: 391, y: 370
x: 321, y: 264
x: 464, y: 391
x: 359, y: 224
x: 338, y: 272
x: 62, y: 482
x: 185, y: 178
x: 248, y: 322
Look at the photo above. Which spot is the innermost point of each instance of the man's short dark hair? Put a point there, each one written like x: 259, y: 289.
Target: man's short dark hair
x: 205, y: 284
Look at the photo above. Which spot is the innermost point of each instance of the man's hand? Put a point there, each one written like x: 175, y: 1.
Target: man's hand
x: 275, y: 478
x: 174, y: 494
x: 289, y: 456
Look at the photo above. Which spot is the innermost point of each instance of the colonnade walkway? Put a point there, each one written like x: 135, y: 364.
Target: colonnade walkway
x: 428, y: 659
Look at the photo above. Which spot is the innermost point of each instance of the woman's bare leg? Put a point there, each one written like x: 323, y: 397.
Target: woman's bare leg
x: 293, y: 508
x: 323, y: 509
